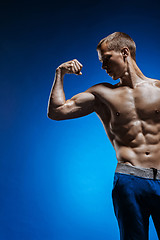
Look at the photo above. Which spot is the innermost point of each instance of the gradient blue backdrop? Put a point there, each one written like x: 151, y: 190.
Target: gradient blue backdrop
x: 56, y: 177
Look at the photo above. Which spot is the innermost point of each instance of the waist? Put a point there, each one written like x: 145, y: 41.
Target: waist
x: 149, y: 173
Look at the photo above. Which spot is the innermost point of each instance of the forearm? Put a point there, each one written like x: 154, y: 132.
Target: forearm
x: 57, y: 95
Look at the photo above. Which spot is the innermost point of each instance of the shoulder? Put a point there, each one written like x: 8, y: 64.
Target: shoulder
x: 153, y: 82
x: 100, y: 87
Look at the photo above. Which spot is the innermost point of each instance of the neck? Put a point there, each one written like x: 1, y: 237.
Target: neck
x: 132, y: 75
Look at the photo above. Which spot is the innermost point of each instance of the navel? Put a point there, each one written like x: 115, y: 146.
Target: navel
x: 147, y: 153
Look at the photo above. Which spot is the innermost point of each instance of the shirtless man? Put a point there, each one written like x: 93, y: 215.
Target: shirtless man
x: 130, y: 113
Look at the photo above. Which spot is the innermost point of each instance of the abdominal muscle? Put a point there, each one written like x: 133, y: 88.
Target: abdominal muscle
x: 133, y: 126
x: 143, y: 155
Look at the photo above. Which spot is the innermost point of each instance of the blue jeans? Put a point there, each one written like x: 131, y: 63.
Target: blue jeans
x: 134, y: 200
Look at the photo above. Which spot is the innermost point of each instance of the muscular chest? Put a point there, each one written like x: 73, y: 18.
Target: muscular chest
x: 128, y: 104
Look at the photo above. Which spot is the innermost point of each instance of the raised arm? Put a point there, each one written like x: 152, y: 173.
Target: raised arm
x: 79, y: 105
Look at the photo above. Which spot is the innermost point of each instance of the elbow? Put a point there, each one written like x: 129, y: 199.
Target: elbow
x: 54, y: 116
x: 50, y: 116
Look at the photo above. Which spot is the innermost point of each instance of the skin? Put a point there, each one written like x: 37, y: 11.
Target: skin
x: 129, y: 110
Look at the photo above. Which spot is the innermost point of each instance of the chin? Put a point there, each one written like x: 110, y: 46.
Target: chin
x: 114, y: 77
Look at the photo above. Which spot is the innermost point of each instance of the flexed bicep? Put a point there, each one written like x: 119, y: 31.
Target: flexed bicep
x: 79, y: 105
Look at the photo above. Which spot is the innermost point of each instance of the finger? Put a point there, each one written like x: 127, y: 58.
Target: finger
x: 72, y: 67
x: 78, y: 62
x: 77, y: 67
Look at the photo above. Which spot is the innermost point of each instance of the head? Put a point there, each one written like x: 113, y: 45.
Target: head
x: 114, y: 52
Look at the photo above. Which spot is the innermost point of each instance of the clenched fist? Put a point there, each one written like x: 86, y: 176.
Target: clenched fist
x: 73, y: 66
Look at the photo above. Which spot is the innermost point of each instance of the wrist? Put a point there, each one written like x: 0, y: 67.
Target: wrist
x: 60, y: 71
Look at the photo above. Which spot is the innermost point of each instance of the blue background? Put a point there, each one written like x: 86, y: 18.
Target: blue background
x: 56, y: 177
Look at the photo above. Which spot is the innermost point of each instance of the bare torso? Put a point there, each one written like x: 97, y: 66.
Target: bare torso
x: 131, y: 118
x: 129, y: 110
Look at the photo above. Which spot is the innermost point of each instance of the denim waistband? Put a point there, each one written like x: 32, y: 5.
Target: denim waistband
x: 150, y: 173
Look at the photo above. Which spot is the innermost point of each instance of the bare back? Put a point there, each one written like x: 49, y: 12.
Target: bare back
x: 131, y: 118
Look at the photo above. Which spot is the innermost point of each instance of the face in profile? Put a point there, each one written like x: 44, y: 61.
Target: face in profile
x: 112, y: 61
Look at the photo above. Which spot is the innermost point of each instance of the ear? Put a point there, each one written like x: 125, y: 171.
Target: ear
x: 125, y: 52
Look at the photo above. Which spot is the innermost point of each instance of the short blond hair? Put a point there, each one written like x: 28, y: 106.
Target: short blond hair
x: 117, y: 40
